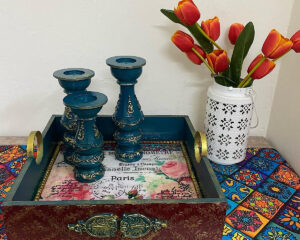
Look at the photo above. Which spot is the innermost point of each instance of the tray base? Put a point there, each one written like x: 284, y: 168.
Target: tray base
x: 163, y: 173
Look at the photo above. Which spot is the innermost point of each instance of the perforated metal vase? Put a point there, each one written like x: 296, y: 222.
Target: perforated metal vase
x: 227, y: 123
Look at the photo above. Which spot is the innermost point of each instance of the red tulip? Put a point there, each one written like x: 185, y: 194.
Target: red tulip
x: 296, y: 41
x: 187, y: 12
x: 234, y: 32
x: 276, y: 45
x: 266, y: 67
x: 218, y: 60
x: 194, y: 57
x: 183, y: 41
x: 212, y: 28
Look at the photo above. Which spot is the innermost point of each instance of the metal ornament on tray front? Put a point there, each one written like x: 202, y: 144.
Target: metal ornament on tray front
x: 105, y: 225
x: 71, y: 80
x: 138, y: 225
x: 88, y: 142
x: 128, y: 115
x: 99, y: 226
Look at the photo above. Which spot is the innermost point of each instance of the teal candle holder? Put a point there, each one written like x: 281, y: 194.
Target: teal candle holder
x: 71, y: 80
x: 88, y: 154
x: 128, y: 115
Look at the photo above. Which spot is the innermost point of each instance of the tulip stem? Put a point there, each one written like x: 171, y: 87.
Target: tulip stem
x: 245, y: 80
x: 203, y: 60
x: 206, y: 36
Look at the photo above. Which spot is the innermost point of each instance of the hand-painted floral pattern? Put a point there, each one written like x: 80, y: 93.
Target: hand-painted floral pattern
x: 234, y: 190
x: 263, y: 204
x: 11, y: 154
x: 275, y: 232
x: 262, y: 165
x: 249, y: 177
x: 289, y: 218
x: 175, y: 169
x: 232, y: 234
x: 246, y: 221
x: 276, y: 190
x: 294, y: 202
x: 271, y: 154
x: 286, y: 175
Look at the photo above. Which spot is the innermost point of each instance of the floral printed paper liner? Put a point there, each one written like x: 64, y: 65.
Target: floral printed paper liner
x: 162, y: 173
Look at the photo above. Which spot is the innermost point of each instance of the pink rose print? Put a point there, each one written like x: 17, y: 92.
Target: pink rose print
x: 174, y: 169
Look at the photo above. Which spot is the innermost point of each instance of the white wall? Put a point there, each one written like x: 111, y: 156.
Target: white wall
x: 284, y: 127
x: 38, y: 37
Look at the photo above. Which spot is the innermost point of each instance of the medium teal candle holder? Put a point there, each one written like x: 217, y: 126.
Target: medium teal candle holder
x: 128, y: 115
x: 71, y: 80
x: 88, y: 155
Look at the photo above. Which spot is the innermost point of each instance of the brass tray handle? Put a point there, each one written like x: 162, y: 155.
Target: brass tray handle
x: 105, y: 225
x: 30, y: 146
x: 200, y: 137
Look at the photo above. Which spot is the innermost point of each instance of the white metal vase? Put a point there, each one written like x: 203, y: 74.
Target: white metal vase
x: 227, y: 123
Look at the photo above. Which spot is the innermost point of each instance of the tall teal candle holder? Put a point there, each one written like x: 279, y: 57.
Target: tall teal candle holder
x: 128, y: 115
x: 71, y: 80
x: 88, y: 155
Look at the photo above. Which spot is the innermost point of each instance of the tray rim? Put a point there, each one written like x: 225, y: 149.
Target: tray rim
x: 221, y: 197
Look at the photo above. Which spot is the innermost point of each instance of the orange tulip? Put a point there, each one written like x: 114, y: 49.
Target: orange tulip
x: 276, y: 45
x: 187, y: 12
x: 194, y: 57
x: 212, y: 28
x: 183, y: 41
x: 218, y: 60
x: 296, y: 41
x: 266, y: 67
x: 234, y: 32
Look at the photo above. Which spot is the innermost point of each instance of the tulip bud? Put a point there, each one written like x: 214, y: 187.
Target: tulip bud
x: 296, y: 41
x: 194, y: 57
x: 234, y: 32
x: 276, y: 45
x: 266, y: 67
x: 187, y: 12
x: 212, y: 28
x: 218, y: 60
x: 183, y: 41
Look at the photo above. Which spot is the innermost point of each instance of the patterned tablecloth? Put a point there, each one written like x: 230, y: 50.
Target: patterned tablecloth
x: 263, y: 194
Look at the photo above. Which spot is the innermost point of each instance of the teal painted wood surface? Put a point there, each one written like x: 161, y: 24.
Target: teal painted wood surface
x: 155, y: 128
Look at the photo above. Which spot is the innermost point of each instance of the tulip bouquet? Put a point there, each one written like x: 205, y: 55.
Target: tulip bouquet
x: 225, y: 71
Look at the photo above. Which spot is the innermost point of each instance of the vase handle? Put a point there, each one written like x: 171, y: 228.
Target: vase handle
x: 30, y: 146
x: 251, y: 93
x: 200, y: 137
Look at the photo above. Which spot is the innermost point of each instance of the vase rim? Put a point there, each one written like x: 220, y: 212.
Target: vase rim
x: 234, y: 89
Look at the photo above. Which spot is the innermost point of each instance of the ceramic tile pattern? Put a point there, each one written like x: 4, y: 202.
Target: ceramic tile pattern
x: 262, y: 191
x: 263, y: 197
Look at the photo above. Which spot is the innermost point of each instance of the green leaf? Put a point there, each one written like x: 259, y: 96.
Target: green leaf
x: 171, y: 15
x: 241, y: 48
x: 204, y: 43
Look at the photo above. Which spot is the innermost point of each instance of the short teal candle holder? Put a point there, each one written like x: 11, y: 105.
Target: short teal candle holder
x: 88, y: 155
x: 128, y: 115
x: 71, y: 80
